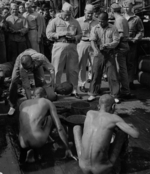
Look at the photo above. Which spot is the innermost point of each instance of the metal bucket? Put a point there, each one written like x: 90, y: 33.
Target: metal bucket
x: 80, y: 108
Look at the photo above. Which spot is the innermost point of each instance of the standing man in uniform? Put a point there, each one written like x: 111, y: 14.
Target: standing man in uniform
x: 95, y: 152
x: 35, y: 27
x: 17, y: 28
x: 84, y: 47
x: 104, y: 39
x: 122, y: 50
x: 136, y: 32
x: 66, y: 32
x: 28, y: 61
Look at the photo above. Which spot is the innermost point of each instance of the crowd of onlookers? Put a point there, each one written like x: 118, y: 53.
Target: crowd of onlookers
x: 77, y: 41
x: 15, y: 29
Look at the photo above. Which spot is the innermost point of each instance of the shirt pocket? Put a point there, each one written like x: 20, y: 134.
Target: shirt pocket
x: 61, y: 28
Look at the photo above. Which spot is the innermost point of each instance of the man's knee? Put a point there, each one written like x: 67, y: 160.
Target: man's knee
x: 77, y: 129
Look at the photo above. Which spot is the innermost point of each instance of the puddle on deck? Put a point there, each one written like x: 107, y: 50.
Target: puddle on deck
x: 135, y: 160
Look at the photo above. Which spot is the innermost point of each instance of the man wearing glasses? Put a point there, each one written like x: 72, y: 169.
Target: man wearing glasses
x: 28, y: 61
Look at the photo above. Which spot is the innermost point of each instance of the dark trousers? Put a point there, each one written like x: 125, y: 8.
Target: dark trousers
x: 106, y: 60
x: 132, y: 61
x: 15, y: 48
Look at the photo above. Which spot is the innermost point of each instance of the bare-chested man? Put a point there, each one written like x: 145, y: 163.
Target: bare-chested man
x: 94, y: 145
x: 36, y: 118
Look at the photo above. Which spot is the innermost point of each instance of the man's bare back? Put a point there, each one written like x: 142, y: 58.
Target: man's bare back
x: 93, y: 146
x: 35, y: 122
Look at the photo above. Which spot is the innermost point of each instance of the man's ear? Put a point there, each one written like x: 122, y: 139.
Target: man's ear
x: 113, y: 108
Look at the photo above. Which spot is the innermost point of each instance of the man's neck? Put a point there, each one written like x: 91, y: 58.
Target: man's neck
x: 129, y: 13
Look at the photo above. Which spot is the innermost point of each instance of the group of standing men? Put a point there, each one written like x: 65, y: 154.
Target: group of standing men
x: 105, y: 46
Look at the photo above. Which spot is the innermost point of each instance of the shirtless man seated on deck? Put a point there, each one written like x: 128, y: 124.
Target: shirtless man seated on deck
x: 35, y: 122
x: 93, y: 147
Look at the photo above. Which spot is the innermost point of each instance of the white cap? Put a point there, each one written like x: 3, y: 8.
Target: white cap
x: 67, y: 7
x: 89, y: 7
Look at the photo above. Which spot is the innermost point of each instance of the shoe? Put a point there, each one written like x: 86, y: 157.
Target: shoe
x: 11, y: 111
x: 83, y: 89
x: 132, y: 86
x: 91, y: 98
x: 76, y: 95
x: 128, y: 96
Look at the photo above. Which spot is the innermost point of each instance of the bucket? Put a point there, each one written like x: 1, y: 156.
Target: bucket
x: 80, y: 108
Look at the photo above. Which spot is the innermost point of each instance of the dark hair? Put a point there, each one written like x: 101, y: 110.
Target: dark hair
x: 39, y: 91
x: 104, y: 15
x: 25, y: 59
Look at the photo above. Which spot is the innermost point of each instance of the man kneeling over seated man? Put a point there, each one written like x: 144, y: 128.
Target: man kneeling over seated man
x: 93, y: 147
x: 35, y: 122
x: 28, y: 61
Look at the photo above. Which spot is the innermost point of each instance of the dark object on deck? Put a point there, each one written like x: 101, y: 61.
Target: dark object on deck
x: 80, y: 108
x: 64, y: 88
x: 75, y: 120
x: 144, y: 66
x: 7, y: 68
x: 144, y: 78
x: 50, y: 93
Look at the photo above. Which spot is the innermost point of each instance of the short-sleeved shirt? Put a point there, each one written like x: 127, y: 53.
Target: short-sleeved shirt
x: 86, y: 26
x: 39, y: 60
x: 17, y: 23
x: 58, y: 25
x: 108, y: 35
x: 122, y: 25
x: 136, y: 28
x: 34, y: 21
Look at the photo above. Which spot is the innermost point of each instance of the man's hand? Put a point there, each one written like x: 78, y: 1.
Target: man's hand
x: 68, y: 154
x: 96, y: 52
x: 69, y: 37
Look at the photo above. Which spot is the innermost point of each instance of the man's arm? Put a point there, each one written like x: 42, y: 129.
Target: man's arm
x: 140, y: 30
x: 93, y: 39
x: 116, y: 39
x: 58, y: 124
x: 51, y: 30
x: 130, y: 130
x: 79, y: 33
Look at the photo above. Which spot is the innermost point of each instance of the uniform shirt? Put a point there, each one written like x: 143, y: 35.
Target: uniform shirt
x: 136, y: 28
x: 17, y: 23
x: 34, y: 21
x: 39, y: 60
x: 108, y: 35
x: 58, y: 25
x: 86, y: 26
x: 122, y: 25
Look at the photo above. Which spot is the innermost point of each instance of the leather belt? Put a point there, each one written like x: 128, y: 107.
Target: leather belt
x: 65, y: 41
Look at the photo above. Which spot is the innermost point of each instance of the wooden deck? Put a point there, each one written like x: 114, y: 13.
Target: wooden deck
x: 137, y: 160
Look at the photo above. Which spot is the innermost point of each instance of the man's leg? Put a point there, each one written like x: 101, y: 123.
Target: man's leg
x: 123, y: 74
x: 39, y: 77
x: 97, y: 72
x: 77, y: 131
x: 33, y: 38
x: 59, y: 53
x: 132, y: 62
x: 13, y: 90
x: 112, y: 75
x: 117, y: 145
x: 83, y: 52
x: 72, y: 66
x: 22, y: 46
x: 2, y: 52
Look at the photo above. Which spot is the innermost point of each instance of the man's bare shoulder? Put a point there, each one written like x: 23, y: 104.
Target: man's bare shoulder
x: 92, y: 114
x: 36, y: 101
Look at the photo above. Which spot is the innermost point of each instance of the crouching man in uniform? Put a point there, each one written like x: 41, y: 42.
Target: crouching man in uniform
x: 93, y: 147
x: 35, y: 122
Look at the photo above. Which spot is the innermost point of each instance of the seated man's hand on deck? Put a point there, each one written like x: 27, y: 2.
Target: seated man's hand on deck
x: 68, y: 154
